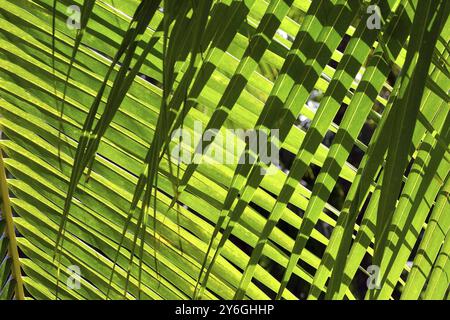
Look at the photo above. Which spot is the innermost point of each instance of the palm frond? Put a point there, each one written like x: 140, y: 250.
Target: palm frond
x: 94, y: 195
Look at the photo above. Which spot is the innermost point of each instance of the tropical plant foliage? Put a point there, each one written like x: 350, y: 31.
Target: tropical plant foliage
x: 89, y: 185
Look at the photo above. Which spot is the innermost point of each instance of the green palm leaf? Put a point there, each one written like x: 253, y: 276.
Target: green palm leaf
x: 96, y: 203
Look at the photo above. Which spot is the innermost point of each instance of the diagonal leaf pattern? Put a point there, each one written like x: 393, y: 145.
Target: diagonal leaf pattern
x: 92, y: 93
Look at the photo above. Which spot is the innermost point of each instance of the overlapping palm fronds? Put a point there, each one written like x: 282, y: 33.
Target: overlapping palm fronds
x: 96, y: 206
